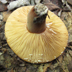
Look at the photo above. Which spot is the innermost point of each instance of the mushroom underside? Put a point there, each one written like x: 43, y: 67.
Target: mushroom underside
x: 35, y: 47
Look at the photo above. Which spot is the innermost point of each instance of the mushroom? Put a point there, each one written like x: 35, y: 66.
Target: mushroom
x: 35, y: 37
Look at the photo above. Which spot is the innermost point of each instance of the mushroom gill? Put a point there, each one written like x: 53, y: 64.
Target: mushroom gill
x: 33, y: 36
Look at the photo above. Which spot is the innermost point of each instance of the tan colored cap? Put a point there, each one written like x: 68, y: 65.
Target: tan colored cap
x: 35, y: 47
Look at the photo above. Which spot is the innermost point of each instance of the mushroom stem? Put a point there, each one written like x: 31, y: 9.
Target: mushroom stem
x: 36, y: 20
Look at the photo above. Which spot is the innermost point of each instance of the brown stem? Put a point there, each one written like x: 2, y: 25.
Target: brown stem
x: 36, y: 22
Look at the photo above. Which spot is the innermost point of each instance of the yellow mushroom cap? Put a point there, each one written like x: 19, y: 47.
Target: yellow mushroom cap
x: 35, y: 47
